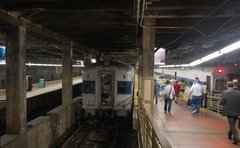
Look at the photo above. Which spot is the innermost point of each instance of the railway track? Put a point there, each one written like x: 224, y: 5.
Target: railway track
x: 100, y: 133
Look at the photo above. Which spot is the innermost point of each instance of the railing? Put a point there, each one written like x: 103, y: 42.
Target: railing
x: 214, y: 103
x: 151, y: 135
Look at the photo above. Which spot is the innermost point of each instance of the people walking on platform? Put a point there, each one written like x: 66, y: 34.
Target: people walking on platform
x: 204, y: 98
x: 173, y: 81
x: 156, y: 89
x: 196, y: 91
x: 182, y: 89
x: 231, y: 109
x: 168, y: 95
x: 176, y: 87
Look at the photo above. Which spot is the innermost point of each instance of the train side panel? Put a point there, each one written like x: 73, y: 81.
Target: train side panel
x: 123, y: 92
x: 216, y: 80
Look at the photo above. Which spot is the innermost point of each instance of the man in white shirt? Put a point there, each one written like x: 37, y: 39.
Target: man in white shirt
x: 172, y: 81
x: 196, y: 91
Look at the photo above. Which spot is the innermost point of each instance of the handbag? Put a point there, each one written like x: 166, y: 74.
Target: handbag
x: 167, y: 96
x: 189, y: 103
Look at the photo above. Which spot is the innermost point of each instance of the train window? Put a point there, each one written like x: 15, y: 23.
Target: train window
x: 124, y: 87
x: 161, y: 77
x: 89, y: 87
x: 121, y: 87
x: 188, y: 83
x: 220, y: 84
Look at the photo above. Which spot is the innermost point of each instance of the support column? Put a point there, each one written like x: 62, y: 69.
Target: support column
x: 67, y: 81
x: 148, y: 61
x: 16, y: 118
x: 87, y: 58
x: 148, y: 48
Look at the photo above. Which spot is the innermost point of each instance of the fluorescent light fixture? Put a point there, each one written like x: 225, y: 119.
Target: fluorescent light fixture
x: 182, y: 65
x: 185, y: 65
x: 36, y: 64
x: 194, y: 63
x: 211, y: 56
x: 231, y: 47
x: 54, y: 65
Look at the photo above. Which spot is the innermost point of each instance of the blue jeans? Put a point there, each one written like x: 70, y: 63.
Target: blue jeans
x: 196, y: 103
x: 168, y: 102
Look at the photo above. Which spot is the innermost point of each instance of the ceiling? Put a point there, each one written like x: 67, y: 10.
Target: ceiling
x: 188, y: 29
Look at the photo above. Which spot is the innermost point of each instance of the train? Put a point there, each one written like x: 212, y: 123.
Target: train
x: 107, y: 89
x: 216, y: 77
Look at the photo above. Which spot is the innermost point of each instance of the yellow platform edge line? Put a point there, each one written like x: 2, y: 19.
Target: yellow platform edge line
x: 135, y: 91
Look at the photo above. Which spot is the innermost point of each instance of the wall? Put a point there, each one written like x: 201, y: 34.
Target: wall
x: 45, y: 131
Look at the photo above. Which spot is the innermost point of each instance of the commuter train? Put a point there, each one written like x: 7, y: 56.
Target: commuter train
x: 216, y: 78
x: 107, y: 89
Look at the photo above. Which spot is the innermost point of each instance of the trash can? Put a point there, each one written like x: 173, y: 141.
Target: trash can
x: 42, y: 83
x: 29, y: 82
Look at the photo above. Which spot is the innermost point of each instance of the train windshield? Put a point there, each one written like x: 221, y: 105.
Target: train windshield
x: 220, y: 84
x: 89, y: 87
x: 106, y: 89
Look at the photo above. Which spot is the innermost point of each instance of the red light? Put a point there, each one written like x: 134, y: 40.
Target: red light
x: 220, y: 70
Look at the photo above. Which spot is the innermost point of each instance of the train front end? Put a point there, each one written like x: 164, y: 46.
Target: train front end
x: 107, y: 89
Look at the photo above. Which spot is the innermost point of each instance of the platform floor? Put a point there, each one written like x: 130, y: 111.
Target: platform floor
x: 186, y: 130
x: 50, y: 86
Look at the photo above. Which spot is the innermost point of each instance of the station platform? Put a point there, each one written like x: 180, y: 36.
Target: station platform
x: 36, y: 90
x: 186, y: 130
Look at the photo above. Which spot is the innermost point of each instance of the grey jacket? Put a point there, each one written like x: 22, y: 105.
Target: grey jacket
x: 231, y: 102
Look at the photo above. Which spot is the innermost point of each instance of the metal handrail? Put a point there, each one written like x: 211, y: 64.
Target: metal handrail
x: 151, y: 134
x: 214, y: 103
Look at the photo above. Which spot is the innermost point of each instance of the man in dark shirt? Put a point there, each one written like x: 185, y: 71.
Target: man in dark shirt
x: 231, y: 109
x: 156, y: 89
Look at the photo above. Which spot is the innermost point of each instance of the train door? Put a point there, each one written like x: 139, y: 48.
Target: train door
x: 208, y: 81
x: 106, y: 89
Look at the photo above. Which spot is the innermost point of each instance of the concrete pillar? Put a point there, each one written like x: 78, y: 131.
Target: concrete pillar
x: 67, y: 82
x: 67, y: 75
x: 148, y: 45
x: 16, y: 119
x: 140, y: 72
x: 87, y: 58
x: 148, y: 48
